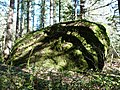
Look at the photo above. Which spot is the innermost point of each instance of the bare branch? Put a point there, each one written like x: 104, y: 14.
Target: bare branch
x: 95, y: 2
x: 101, y: 6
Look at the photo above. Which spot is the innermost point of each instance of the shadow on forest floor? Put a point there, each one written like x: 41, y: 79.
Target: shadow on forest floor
x: 14, y: 78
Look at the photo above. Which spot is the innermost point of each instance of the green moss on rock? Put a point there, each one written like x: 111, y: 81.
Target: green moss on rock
x: 69, y: 45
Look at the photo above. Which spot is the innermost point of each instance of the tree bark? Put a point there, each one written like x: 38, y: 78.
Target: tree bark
x: 81, y: 8
x: 59, y: 10
x: 17, y: 20
x: 21, y: 19
x: 28, y: 18
x: 119, y: 7
x: 42, y: 16
x: 51, y: 12
x: 75, y: 6
x: 33, y: 14
x: 54, y: 11
x: 8, y: 32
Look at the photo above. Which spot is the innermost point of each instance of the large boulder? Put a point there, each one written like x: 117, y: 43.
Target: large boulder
x: 73, y: 45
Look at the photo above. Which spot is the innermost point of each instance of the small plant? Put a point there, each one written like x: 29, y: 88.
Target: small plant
x: 35, y: 78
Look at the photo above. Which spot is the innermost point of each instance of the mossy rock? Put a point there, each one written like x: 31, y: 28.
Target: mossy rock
x: 73, y: 45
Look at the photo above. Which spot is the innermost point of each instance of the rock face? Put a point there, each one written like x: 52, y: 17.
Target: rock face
x: 73, y: 45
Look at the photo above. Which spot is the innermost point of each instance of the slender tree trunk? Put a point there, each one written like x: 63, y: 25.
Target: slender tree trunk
x: 17, y: 20
x: 28, y: 18
x: 54, y: 11
x: 33, y: 14
x: 51, y: 12
x: 59, y: 10
x: 21, y: 19
x: 42, y: 16
x: 81, y: 8
x: 8, y: 33
x: 43, y: 19
x: 119, y: 9
x: 30, y: 15
x: 75, y: 6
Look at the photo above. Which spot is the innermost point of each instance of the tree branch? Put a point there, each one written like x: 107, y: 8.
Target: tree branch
x: 100, y: 6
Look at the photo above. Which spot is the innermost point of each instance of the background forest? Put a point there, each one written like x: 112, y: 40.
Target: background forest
x: 19, y: 17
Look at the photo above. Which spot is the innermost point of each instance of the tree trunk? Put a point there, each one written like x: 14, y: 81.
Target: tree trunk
x: 8, y: 32
x: 33, y: 13
x: 22, y: 19
x: 28, y: 18
x: 42, y: 16
x: 54, y: 11
x: 51, y: 12
x: 17, y: 20
x: 81, y: 8
x: 59, y: 10
x: 119, y: 7
x: 75, y: 6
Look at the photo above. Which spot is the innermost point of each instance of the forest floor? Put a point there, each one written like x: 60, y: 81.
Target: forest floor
x: 15, y: 78
x: 112, y: 65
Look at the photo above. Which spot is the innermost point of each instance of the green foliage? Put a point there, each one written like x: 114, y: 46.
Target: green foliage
x: 14, y: 79
x: 39, y: 79
x: 68, y: 13
x: 1, y: 57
